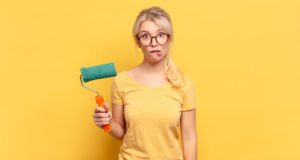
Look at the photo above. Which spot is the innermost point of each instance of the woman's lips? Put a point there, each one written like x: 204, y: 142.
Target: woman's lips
x: 155, y: 51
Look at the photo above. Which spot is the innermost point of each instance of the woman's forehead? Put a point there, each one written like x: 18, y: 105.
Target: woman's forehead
x: 150, y: 27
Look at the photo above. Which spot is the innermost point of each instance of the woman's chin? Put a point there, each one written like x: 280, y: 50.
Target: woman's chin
x: 155, y: 60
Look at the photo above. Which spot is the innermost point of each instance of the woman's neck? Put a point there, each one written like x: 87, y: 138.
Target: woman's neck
x: 152, y: 68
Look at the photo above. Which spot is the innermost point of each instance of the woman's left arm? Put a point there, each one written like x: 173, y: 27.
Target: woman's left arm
x: 189, y: 134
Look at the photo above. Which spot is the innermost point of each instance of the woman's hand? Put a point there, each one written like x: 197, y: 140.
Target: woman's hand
x: 102, y: 116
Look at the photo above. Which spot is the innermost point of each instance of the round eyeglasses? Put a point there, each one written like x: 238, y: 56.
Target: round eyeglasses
x: 146, y: 39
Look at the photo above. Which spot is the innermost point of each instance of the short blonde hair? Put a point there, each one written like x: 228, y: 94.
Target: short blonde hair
x: 161, y: 18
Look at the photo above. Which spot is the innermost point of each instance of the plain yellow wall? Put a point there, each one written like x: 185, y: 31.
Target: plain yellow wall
x: 242, y: 55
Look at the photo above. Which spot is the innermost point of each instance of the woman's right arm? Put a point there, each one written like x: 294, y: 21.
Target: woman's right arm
x: 102, y: 117
x: 118, y: 122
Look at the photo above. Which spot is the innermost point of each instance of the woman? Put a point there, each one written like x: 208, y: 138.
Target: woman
x: 154, y: 101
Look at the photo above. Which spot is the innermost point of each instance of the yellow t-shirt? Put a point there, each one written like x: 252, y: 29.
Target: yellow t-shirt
x: 152, y: 116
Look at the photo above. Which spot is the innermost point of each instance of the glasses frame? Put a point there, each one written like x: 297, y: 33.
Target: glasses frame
x: 151, y: 37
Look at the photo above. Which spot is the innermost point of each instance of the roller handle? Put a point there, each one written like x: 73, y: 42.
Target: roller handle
x: 100, y: 102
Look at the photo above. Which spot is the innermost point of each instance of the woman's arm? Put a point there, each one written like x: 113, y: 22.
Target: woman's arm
x: 189, y: 135
x: 118, y: 122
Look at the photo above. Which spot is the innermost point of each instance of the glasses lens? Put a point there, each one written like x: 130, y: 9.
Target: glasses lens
x: 161, y: 38
x: 145, y: 39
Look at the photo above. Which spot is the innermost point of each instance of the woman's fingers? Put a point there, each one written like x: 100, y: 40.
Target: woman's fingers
x: 102, y: 119
x: 101, y: 115
x: 101, y: 124
x: 99, y: 109
x: 106, y: 107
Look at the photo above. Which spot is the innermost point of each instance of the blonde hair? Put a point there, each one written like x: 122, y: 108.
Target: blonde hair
x: 162, y: 18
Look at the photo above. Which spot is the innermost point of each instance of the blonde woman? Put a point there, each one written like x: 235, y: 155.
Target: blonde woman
x: 153, y: 104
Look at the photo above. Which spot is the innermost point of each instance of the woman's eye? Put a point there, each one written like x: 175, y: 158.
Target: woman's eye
x: 145, y: 36
x: 161, y: 34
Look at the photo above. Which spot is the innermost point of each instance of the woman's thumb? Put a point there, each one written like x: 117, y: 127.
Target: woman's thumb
x: 106, y: 107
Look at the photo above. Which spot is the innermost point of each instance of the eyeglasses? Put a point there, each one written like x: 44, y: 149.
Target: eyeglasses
x: 146, y: 39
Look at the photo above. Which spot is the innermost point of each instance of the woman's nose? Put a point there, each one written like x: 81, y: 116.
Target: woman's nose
x: 153, y: 42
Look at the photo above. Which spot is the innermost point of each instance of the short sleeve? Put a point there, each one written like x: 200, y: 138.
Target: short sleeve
x: 189, y: 96
x: 115, y: 94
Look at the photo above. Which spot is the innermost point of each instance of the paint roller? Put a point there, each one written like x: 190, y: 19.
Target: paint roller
x: 97, y: 72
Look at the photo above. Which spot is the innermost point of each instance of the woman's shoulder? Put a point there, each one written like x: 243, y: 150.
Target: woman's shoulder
x: 122, y: 80
x: 120, y: 76
x: 123, y: 75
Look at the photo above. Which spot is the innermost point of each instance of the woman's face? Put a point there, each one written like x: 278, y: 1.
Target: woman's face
x: 157, y: 49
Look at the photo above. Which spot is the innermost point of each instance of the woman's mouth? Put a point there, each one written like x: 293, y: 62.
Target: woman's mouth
x: 155, y: 51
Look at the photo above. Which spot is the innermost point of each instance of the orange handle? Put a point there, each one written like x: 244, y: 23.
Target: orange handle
x: 100, y: 102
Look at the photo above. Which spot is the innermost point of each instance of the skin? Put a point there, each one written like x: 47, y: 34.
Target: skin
x: 151, y: 73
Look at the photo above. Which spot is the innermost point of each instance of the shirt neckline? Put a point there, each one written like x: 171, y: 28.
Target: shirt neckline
x: 144, y: 85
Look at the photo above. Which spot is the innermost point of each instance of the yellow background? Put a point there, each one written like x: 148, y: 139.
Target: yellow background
x: 242, y: 55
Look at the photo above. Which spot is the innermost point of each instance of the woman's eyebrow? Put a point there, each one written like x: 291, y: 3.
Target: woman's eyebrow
x: 144, y: 31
